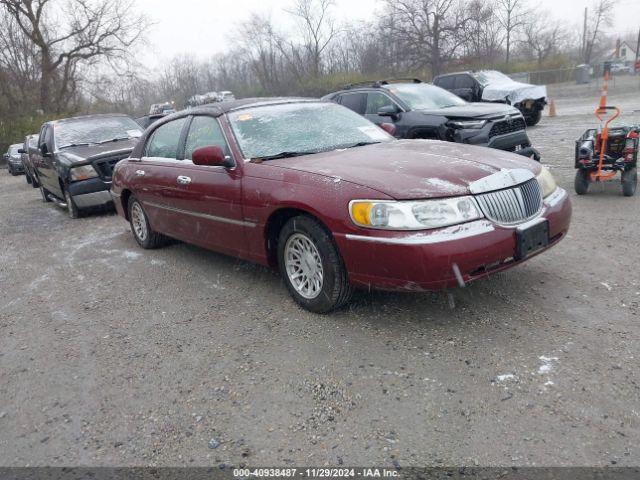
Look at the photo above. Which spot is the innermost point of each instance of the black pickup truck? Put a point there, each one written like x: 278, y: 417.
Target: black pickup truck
x: 75, y: 159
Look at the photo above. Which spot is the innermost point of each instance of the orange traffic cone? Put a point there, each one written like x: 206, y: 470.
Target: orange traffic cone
x: 552, y: 109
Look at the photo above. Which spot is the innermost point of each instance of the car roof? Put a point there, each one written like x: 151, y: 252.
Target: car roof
x: 87, y: 117
x: 219, y: 108
x: 468, y: 72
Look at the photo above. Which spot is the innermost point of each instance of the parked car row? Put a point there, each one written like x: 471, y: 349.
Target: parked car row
x: 316, y: 189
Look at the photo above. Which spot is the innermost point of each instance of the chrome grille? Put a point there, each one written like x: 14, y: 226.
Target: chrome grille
x: 512, y: 205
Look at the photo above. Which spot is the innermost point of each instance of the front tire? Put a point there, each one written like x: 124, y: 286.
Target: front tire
x: 582, y: 180
x: 629, y: 182
x: 533, y: 119
x: 44, y: 192
x: 311, y: 266
x: 141, y: 228
x: 72, y: 208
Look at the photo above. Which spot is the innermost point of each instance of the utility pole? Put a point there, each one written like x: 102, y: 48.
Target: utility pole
x: 584, y: 35
x: 637, y: 53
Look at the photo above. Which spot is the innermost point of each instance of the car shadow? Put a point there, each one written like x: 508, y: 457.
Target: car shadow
x: 488, y: 296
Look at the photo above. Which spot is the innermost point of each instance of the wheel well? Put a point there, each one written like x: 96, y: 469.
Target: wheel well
x: 424, y: 133
x: 275, y: 223
x: 124, y: 198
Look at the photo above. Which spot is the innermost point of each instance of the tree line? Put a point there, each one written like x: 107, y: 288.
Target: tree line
x: 67, y: 56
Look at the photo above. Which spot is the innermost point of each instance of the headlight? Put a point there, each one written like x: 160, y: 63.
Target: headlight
x: 421, y: 215
x: 547, y: 182
x: 467, y: 123
x: 83, y: 173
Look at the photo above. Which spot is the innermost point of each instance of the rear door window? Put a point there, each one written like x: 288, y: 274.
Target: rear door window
x: 204, y: 132
x: 464, y: 81
x: 446, y: 82
x: 165, y: 140
x: 354, y: 101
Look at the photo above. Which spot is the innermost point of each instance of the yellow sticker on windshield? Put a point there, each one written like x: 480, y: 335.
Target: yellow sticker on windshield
x: 243, y: 117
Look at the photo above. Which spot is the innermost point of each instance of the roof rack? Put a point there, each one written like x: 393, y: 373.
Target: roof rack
x: 400, y: 80
x: 380, y: 83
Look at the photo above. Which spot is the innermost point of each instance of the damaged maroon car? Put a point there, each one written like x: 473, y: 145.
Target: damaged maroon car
x: 334, y: 201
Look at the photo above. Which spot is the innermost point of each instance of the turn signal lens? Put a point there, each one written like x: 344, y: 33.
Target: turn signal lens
x: 361, y: 212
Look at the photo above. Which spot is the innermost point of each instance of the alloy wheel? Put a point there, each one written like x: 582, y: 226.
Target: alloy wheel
x: 304, y: 265
x: 139, y: 222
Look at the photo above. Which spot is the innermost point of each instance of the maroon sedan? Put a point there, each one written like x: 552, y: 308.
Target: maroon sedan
x: 333, y: 200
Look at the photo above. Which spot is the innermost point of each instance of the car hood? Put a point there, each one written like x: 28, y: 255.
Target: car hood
x: 83, y: 153
x: 513, y: 92
x: 473, y: 110
x: 410, y: 169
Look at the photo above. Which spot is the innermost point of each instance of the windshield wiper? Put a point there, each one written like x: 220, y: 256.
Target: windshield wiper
x: 113, y: 140
x: 358, y: 144
x: 283, y: 155
x: 70, y: 145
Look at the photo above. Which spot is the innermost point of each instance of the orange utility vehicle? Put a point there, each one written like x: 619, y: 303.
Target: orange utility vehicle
x: 603, y: 152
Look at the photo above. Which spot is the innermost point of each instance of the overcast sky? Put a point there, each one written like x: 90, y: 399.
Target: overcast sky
x: 205, y: 27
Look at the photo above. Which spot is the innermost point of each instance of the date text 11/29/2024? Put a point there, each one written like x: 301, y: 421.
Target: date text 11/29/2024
x: 319, y: 472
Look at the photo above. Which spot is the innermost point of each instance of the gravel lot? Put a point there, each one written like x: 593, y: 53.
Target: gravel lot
x: 111, y: 355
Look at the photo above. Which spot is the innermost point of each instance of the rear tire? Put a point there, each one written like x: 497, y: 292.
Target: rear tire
x: 27, y: 177
x: 581, y: 183
x: 629, y: 182
x: 143, y: 233
x: 311, y: 266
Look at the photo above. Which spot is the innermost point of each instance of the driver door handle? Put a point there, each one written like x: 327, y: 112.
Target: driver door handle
x: 140, y: 173
x: 182, y: 180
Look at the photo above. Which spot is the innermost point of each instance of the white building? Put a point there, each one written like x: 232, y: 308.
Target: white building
x: 623, y: 54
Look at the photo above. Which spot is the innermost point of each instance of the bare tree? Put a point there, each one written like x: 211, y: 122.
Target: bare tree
x: 70, y: 34
x: 483, y: 33
x: 430, y: 31
x: 543, y: 36
x: 601, y: 16
x: 19, y: 72
x: 318, y: 29
x: 511, y: 14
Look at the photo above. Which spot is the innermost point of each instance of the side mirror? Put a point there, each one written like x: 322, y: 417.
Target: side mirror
x: 22, y: 150
x: 388, y: 111
x: 211, y: 156
x: 44, y: 150
x: 390, y: 128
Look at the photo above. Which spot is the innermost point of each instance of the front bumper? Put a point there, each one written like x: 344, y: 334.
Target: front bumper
x: 93, y: 192
x: 445, y: 257
x: 16, y: 166
x: 481, y: 137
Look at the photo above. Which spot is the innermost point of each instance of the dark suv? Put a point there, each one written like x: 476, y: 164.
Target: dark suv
x: 14, y: 160
x: 420, y: 110
x: 75, y: 159
x: 494, y: 86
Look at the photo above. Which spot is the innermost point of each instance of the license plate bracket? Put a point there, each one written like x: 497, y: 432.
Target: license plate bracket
x: 531, y: 239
